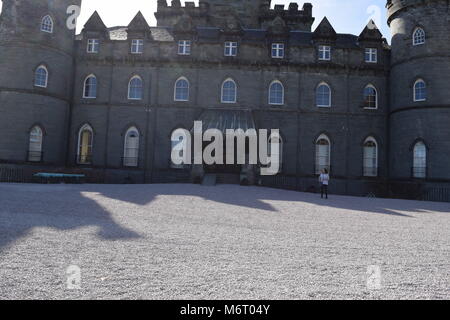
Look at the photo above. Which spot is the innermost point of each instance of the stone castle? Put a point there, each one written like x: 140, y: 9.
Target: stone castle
x: 106, y: 101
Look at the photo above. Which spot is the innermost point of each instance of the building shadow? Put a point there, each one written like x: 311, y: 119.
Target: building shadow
x: 24, y: 207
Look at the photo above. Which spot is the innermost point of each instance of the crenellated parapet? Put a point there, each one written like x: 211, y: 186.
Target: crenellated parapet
x: 169, y: 15
x: 295, y: 18
x: 396, y: 6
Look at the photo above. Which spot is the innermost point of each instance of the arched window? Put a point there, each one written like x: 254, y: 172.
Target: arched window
x: 135, y: 88
x: 181, y: 89
x: 370, y: 158
x: 90, y: 87
x: 35, y: 145
x: 420, y: 160
x: 47, y: 24
x: 419, y: 36
x: 85, y: 142
x: 370, y: 97
x: 131, y: 148
x: 278, y: 139
x: 229, y: 91
x: 41, y: 77
x: 276, y: 93
x: 179, y: 142
x: 323, y: 154
x: 323, y: 95
x: 420, y: 91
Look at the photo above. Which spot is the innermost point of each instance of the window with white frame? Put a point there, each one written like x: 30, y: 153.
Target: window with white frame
x: 231, y: 48
x: 324, y: 53
x: 90, y: 87
x: 135, y: 88
x: 276, y: 93
x: 420, y: 91
x: 420, y: 160
x: 93, y: 45
x: 272, y: 153
x: 323, y: 95
x: 179, y: 143
x: 35, y: 145
x: 131, y: 148
x: 229, y: 91
x: 323, y: 154
x: 418, y: 37
x: 85, y: 143
x: 137, y: 46
x: 181, y: 89
x: 41, y: 77
x: 47, y: 24
x: 370, y: 157
x: 184, y: 47
x: 278, y: 50
x: 371, y: 55
x: 370, y: 97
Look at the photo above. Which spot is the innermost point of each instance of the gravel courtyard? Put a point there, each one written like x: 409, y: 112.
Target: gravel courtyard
x: 224, y: 242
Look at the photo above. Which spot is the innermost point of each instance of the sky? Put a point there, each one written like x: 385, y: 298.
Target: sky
x: 346, y: 16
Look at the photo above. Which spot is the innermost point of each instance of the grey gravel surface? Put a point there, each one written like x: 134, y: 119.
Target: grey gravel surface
x: 224, y: 242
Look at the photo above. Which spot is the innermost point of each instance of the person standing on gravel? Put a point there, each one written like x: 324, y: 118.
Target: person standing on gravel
x: 324, y: 180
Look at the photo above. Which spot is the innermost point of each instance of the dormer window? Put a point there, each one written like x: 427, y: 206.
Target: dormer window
x: 371, y: 55
x: 137, y: 46
x: 184, y: 47
x: 93, y: 45
x: 324, y: 53
x: 278, y: 50
x: 231, y: 49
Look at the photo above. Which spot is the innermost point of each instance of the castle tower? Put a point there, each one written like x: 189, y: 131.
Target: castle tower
x: 419, y: 88
x: 36, y: 72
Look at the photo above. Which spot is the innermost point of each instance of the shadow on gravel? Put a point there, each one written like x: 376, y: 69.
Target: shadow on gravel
x: 24, y: 207
x: 257, y: 197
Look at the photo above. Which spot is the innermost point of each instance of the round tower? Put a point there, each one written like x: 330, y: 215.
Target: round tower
x: 36, y: 72
x: 419, y: 89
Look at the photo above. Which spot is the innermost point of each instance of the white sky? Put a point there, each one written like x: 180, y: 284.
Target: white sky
x: 347, y: 16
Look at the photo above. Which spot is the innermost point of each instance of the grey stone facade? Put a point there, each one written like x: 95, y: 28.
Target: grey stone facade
x: 396, y: 124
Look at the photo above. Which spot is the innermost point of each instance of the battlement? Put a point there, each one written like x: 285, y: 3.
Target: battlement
x: 295, y: 18
x: 395, y: 6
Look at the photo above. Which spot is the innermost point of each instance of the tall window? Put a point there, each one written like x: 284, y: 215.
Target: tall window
x: 229, y: 91
x: 278, y: 50
x: 370, y: 97
x: 184, y: 47
x: 418, y: 37
x: 35, y: 145
x: 276, y: 93
x: 182, y: 89
x: 370, y: 158
x: 323, y: 95
x: 90, y: 87
x: 85, y: 142
x: 41, y: 77
x: 324, y: 53
x: 271, y: 152
x: 420, y: 90
x: 93, y: 45
x: 137, y: 46
x: 231, y: 49
x: 371, y: 55
x: 420, y: 160
x: 135, y: 88
x: 178, y: 143
x: 323, y: 154
x: 47, y: 24
x: 131, y: 148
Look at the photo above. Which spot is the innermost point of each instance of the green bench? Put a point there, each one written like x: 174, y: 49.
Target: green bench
x: 59, y: 178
